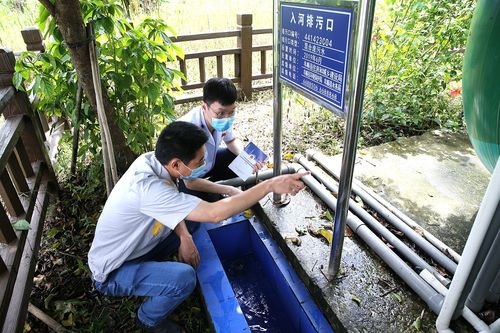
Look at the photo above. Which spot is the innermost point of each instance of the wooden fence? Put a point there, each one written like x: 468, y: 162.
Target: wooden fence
x: 26, y: 178
x: 242, y: 53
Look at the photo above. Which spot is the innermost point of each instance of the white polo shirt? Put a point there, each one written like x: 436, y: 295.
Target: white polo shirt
x: 195, y: 116
x: 141, y: 211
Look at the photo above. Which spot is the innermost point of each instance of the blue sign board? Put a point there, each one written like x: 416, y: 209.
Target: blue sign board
x: 314, y: 48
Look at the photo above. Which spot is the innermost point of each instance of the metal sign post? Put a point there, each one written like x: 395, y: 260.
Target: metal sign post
x: 351, y: 135
x: 312, y: 55
x: 277, y: 110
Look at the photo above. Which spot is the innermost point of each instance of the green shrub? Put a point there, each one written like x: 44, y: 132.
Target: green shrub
x: 133, y: 63
x: 413, y: 62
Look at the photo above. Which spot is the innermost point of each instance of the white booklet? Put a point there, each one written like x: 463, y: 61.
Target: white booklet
x: 244, y: 163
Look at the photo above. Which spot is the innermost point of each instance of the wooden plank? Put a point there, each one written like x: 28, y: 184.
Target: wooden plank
x: 11, y: 257
x: 213, y: 53
x: 16, y: 314
x: 262, y: 31
x: 22, y: 156
x: 263, y: 62
x: 9, y: 135
x: 43, y: 122
x: 201, y: 65
x: 12, y: 253
x: 199, y: 85
x: 203, y: 36
x: 262, y: 76
x: 263, y: 87
x: 33, y: 136
x: 6, y: 95
x: 7, y: 233
x: 237, y: 65
x: 262, y: 48
x: 9, y: 195
x: 183, y: 68
x: 17, y: 175
x: 188, y: 99
x: 46, y: 319
x: 220, y: 67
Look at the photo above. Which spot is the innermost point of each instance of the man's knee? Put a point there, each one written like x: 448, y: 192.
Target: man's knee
x: 185, y: 277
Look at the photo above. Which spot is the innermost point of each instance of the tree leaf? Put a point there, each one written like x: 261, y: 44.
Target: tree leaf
x: 417, y: 324
x: 68, y: 321
x: 327, y: 234
x: 396, y: 297
x: 248, y: 213
x: 17, y: 80
x: 288, y: 155
x: 153, y: 92
x: 21, y: 225
x: 150, y: 67
x: 327, y: 215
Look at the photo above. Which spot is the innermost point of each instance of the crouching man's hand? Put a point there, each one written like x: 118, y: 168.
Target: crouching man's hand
x: 188, y: 252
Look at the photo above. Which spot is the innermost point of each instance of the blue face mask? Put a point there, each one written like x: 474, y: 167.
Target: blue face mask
x: 195, y: 173
x: 221, y: 125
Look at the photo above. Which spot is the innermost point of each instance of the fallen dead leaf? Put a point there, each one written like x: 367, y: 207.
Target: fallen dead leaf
x: 327, y: 234
x: 356, y: 300
x: 294, y: 240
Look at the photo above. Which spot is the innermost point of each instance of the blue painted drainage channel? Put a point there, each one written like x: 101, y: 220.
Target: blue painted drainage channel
x: 248, y: 284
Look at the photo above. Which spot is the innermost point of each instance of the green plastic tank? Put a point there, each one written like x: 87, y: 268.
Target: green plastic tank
x: 481, y: 82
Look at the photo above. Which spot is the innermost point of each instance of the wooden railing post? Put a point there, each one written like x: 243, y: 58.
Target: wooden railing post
x: 244, y: 22
x: 33, y: 39
x: 7, y: 64
x: 33, y: 137
x: 20, y: 105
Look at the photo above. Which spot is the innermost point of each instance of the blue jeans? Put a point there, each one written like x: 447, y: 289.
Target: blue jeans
x: 220, y: 171
x: 166, y: 284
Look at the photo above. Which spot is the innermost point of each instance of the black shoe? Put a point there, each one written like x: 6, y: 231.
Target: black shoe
x: 166, y: 326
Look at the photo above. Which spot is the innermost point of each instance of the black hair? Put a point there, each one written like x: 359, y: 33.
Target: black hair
x: 181, y: 140
x: 220, y: 90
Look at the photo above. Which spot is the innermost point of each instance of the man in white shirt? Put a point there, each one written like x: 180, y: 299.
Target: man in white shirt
x: 134, y: 232
x: 215, y: 117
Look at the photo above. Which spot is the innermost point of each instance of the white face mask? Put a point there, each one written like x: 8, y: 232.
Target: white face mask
x: 195, y: 173
x: 221, y: 125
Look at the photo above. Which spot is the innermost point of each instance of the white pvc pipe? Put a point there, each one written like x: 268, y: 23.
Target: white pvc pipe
x: 495, y: 327
x: 372, y: 223
x: 408, y: 220
x: 468, y: 315
x: 477, y: 234
x: 361, y: 190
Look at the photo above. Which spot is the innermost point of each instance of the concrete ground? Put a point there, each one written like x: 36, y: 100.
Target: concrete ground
x: 436, y: 179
